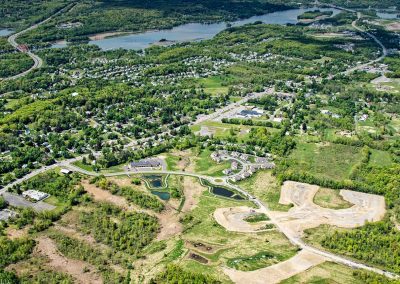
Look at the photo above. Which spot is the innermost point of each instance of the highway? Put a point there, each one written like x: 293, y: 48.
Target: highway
x: 37, y: 61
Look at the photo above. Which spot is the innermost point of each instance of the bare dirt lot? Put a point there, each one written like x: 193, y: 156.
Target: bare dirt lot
x: 58, y: 262
x: 232, y: 219
x: 393, y: 27
x: 169, y: 223
x: 306, y: 214
x: 278, y: 272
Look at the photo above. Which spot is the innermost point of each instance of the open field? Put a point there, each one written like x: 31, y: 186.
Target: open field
x: 278, y: 272
x: 330, y: 198
x: 327, y: 272
x: 265, y: 186
x: 333, y: 161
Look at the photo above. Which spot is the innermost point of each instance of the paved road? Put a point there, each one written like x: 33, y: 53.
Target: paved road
x: 37, y: 61
x: 354, y: 25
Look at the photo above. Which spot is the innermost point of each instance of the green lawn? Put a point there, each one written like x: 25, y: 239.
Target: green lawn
x: 213, y: 85
x: 205, y: 165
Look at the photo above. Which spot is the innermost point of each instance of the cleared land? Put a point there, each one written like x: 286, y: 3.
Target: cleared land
x: 278, y: 272
x: 72, y: 267
x: 306, y: 214
x: 232, y: 219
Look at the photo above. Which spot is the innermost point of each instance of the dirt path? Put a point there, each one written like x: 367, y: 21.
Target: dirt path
x: 192, y: 190
x: 72, y: 267
x: 278, y: 272
x: 104, y: 195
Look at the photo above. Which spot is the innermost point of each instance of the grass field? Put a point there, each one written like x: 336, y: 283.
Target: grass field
x: 264, y: 186
x: 330, y: 198
x: 213, y: 85
x: 380, y: 158
x: 333, y: 161
x: 325, y: 273
x: 205, y: 165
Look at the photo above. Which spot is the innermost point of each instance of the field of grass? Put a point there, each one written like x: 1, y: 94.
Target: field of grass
x: 265, y: 186
x: 333, y: 161
x: 325, y: 273
x: 330, y: 198
x: 213, y: 85
x: 380, y: 158
x: 205, y: 165
x: 114, y: 169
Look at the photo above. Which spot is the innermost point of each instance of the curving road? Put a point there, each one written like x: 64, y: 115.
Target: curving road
x: 37, y: 61
x: 354, y: 25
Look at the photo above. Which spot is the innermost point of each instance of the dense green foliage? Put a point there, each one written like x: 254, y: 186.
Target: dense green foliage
x: 123, y: 231
x: 12, y: 251
x: 314, y: 14
x: 14, y: 63
x: 62, y: 186
x: 18, y: 14
x: 374, y: 243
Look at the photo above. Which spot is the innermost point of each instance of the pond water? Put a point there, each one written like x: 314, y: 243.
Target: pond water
x: 385, y: 15
x: 163, y: 195
x: 197, y: 31
x: 155, y: 181
x: 5, y: 32
x: 223, y: 191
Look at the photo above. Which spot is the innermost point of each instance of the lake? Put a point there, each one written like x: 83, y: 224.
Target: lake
x: 385, y: 15
x: 197, y: 31
x: 5, y: 32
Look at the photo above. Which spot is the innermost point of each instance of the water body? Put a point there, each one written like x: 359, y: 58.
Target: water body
x: 163, y: 195
x: 385, y: 15
x: 5, y: 32
x: 198, y: 31
x: 224, y: 192
x: 155, y: 181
